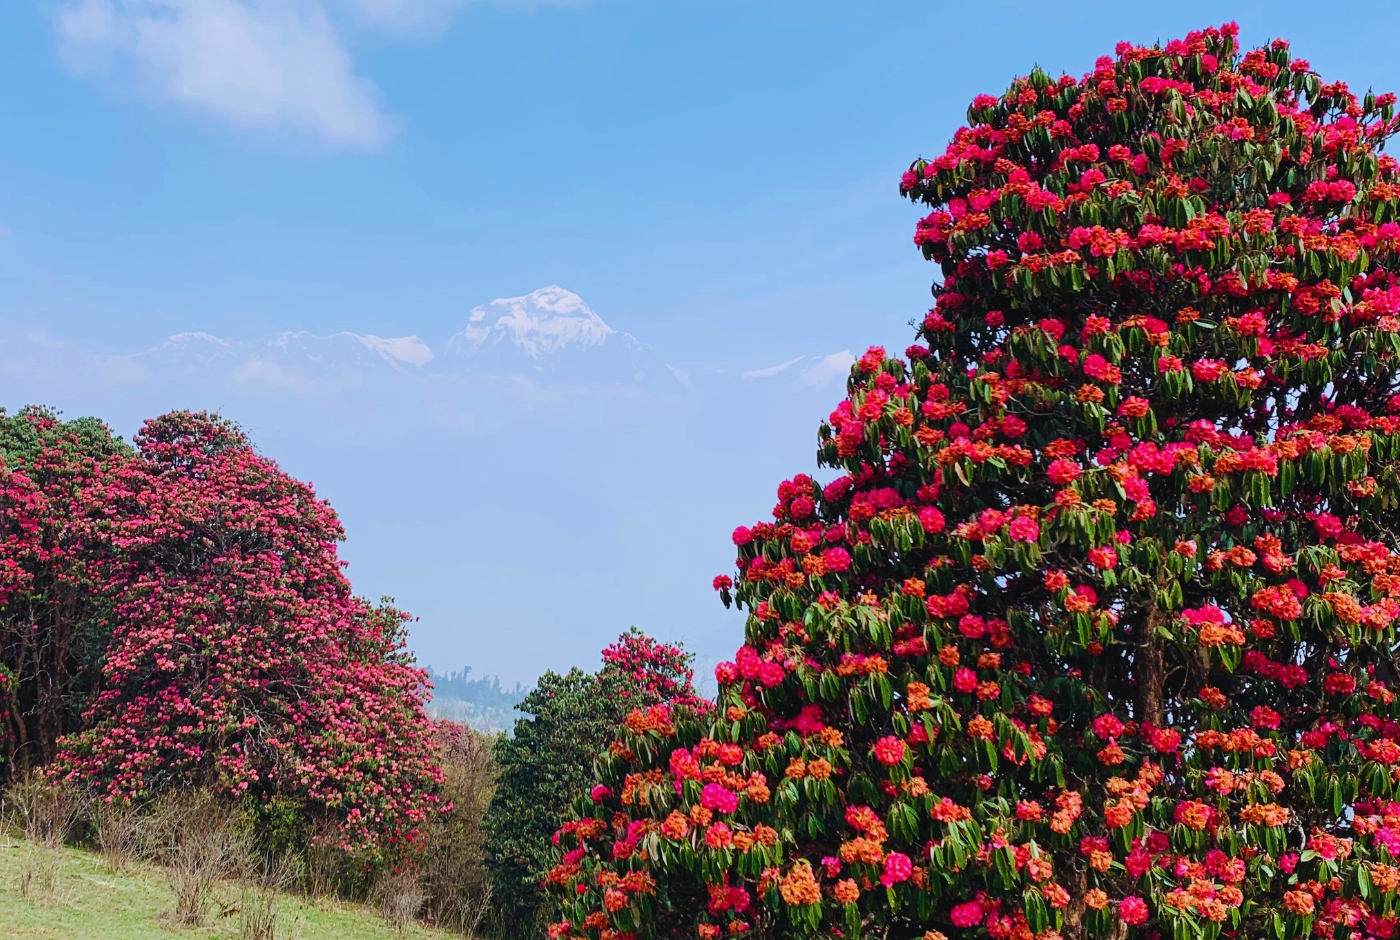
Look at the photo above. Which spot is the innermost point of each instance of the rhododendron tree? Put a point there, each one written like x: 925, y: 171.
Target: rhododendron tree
x: 1093, y: 632
x: 232, y: 651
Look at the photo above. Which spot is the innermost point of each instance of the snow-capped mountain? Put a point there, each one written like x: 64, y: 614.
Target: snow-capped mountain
x: 552, y: 332
x: 808, y: 371
x: 541, y: 324
x: 340, y: 354
x: 549, y: 335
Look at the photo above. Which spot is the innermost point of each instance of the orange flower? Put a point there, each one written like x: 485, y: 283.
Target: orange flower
x: 799, y: 887
x: 676, y: 826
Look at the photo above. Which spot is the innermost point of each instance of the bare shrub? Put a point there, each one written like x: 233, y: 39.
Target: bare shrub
x: 266, y: 880
x: 326, y: 863
x: 198, y: 842
x: 454, y: 875
x: 44, y: 812
x: 40, y: 871
x: 400, y: 894
x: 121, y: 832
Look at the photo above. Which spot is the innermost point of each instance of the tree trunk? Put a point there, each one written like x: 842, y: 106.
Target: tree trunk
x: 1149, y: 670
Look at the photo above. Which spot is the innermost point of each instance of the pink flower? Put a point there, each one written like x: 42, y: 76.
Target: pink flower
x: 719, y: 836
x: 771, y: 674
x: 1339, y: 683
x: 1166, y: 740
x: 1327, y: 525
x: 1133, y: 910
x: 967, y: 915
x: 897, y: 868
x: 837, y: 559
x: 931, y: 519
x: 718, y: 798
x: 889, y: 750
x: 965, y: 680
x: 1103, y: 557
x: 1207, y: 614
x: 1208, y: 370
x: 599, y: 793
x: 1024, y: 529
x: 1107, y: 726
x: 1062, y: 472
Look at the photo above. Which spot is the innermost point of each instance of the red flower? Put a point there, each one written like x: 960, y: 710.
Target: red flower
x: 1133, y: 910
x: 889, y: 750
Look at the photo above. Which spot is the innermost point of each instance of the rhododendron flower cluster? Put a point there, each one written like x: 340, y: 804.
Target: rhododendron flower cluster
x: 237, y: 655
x: 1094, y: 632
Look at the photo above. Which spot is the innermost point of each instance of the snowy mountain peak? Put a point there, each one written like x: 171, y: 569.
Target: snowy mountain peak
x: 406, y: 349
x: 550, y: 334
x: 540, y: 324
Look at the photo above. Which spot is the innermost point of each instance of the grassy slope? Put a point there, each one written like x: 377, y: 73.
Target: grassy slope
x: 92, y: 903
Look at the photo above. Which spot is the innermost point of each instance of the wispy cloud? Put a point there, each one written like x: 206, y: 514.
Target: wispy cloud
x: 417, y: 16
x: 278, y: 65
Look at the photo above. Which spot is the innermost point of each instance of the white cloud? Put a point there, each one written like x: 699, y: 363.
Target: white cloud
x: 272, y: 64
x: 416, y: 16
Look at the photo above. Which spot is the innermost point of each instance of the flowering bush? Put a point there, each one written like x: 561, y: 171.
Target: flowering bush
x: 1094, y: 633
x: 234, y: 653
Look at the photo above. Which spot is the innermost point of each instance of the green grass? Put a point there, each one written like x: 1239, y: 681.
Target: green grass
x: 91, y: 903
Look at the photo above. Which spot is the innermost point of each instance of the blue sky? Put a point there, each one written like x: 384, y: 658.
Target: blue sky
x: 717, y: 180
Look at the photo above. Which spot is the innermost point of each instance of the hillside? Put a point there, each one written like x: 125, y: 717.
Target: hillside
x: 91, y: 902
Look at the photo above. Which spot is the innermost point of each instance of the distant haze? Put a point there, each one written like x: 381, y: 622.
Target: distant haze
x: 529, y: 486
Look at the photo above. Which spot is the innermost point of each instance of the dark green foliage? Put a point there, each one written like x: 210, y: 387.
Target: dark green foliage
x: 549, y: 763
x: 34, y: 428
x: 542, y: 769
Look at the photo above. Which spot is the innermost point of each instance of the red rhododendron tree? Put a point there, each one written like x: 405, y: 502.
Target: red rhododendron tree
x: 239, y: 658
x: 1094, y: 634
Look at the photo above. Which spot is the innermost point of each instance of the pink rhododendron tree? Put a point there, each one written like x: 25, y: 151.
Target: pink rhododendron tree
x: 238, y: 657
x: 1093, y: 634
